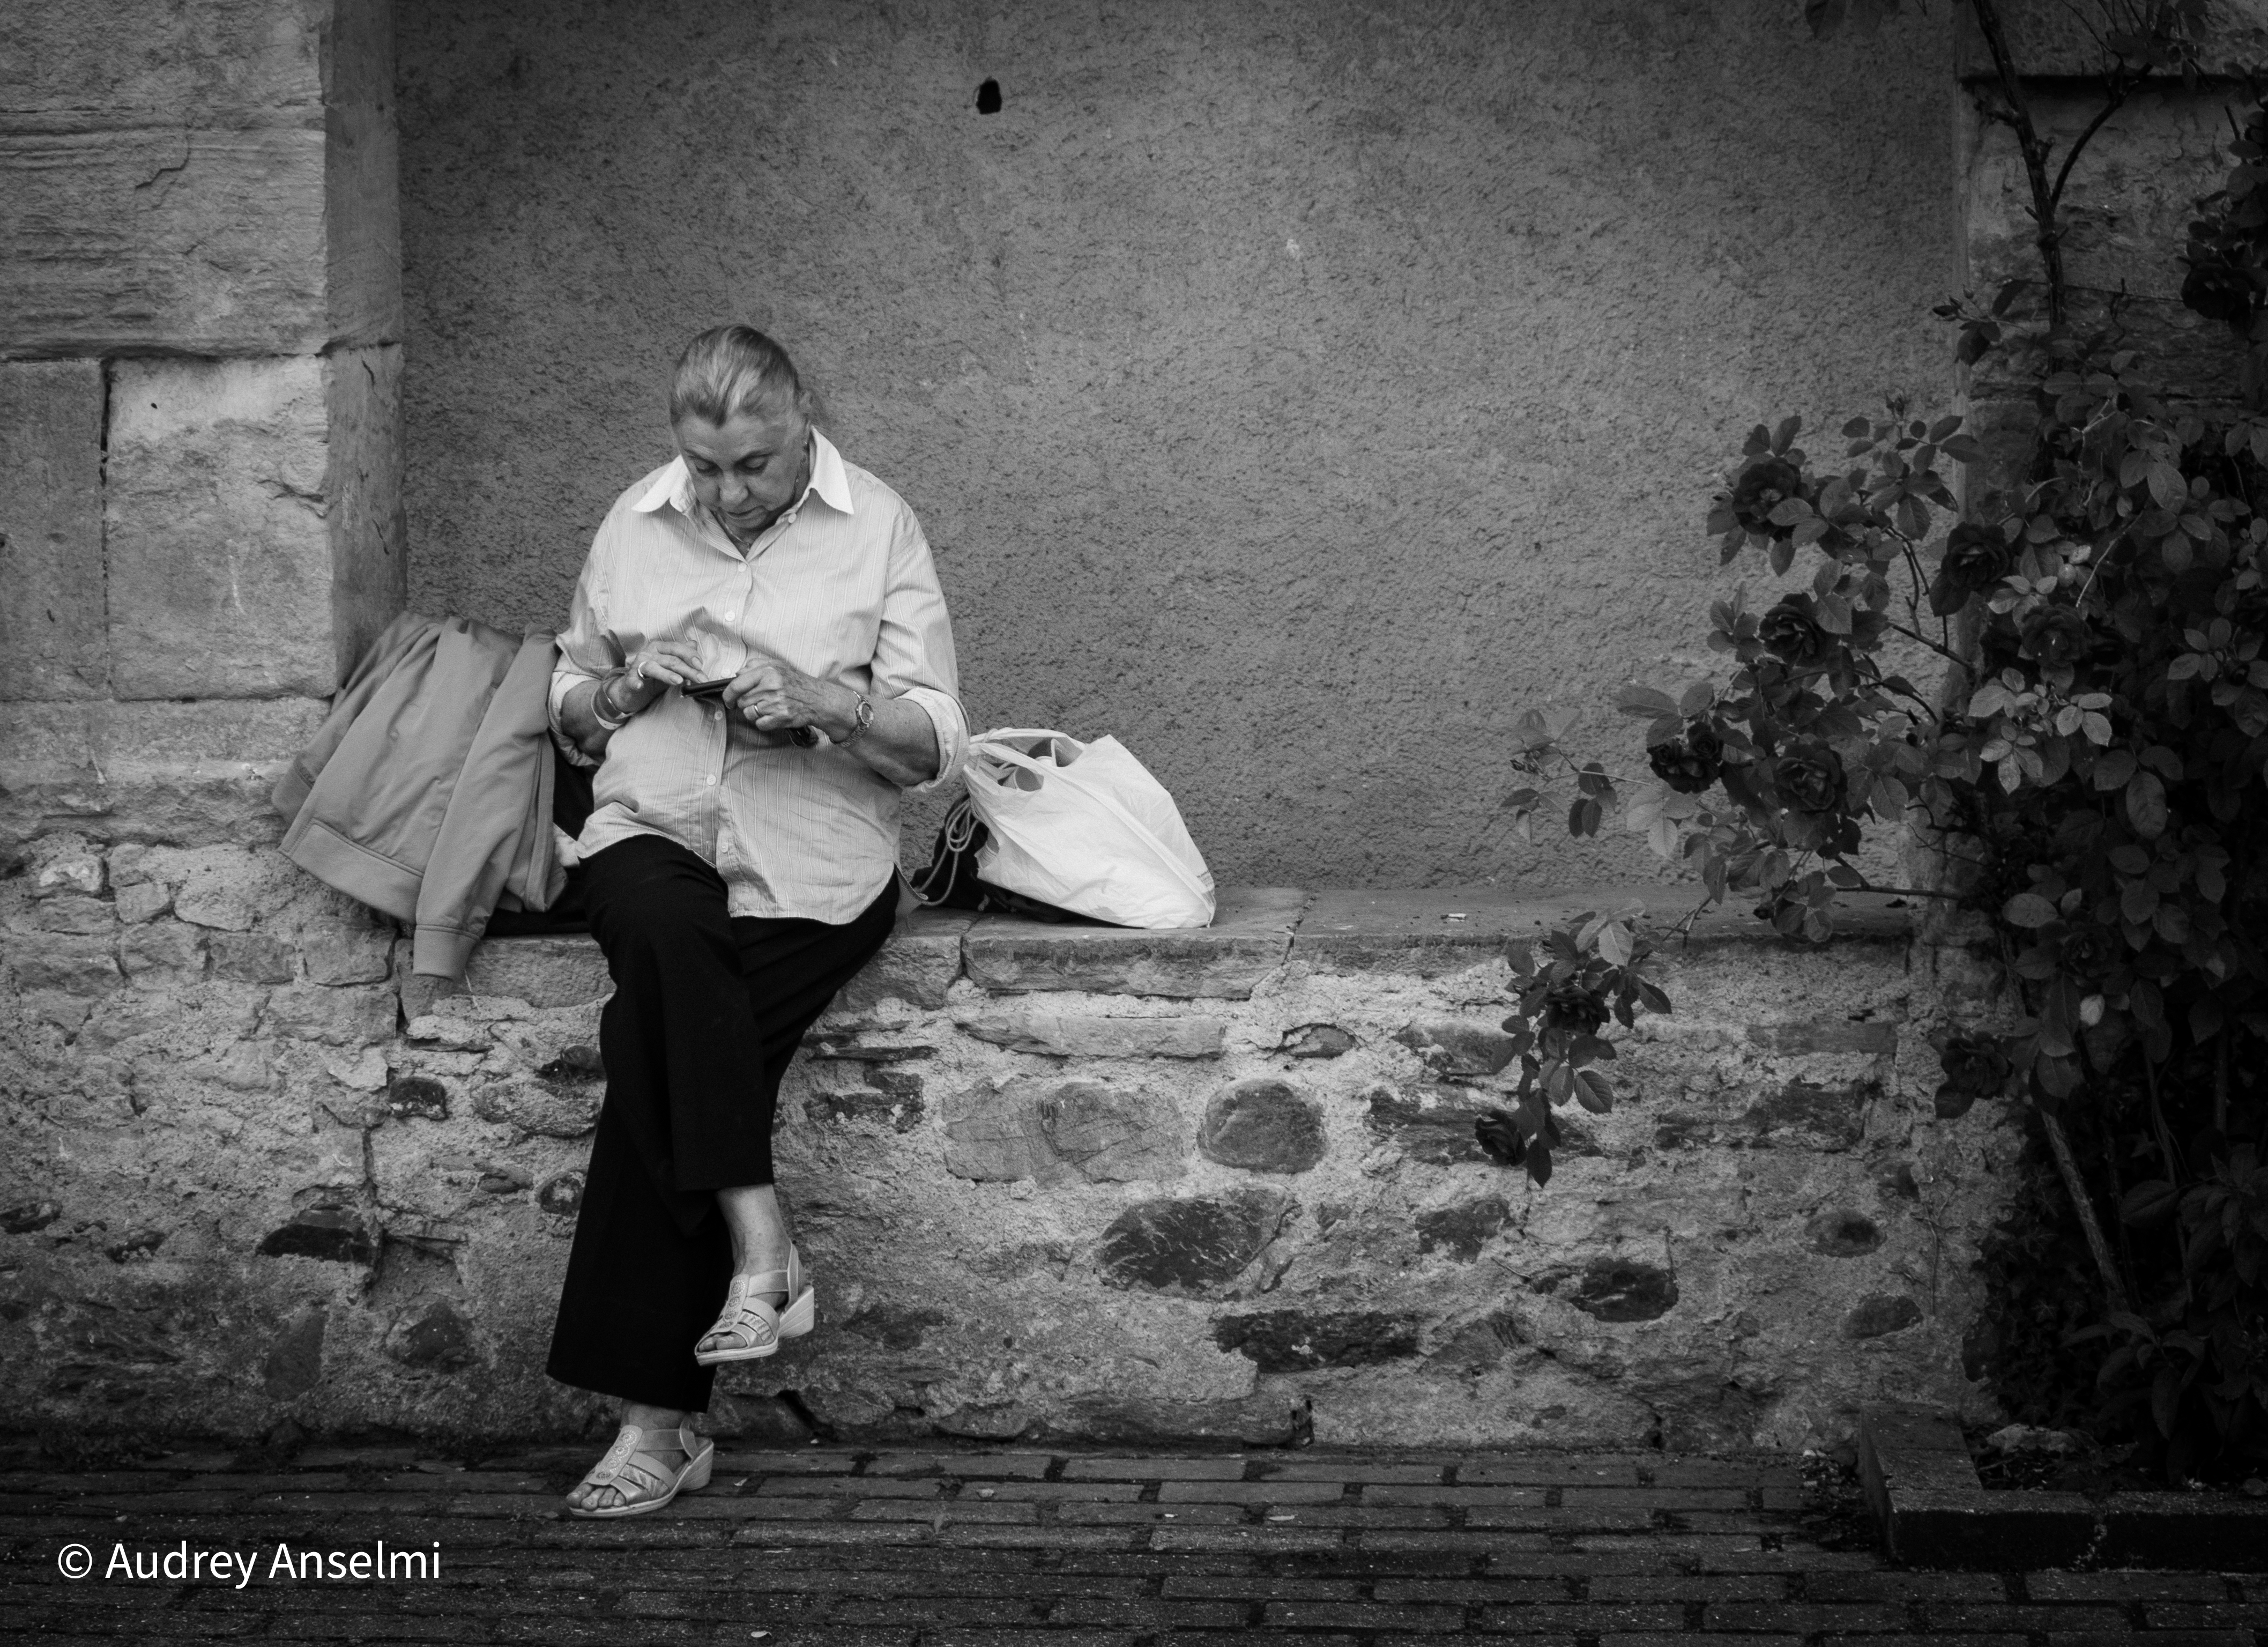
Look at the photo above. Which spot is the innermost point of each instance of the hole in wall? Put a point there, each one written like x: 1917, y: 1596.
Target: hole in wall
x: 988, y: 98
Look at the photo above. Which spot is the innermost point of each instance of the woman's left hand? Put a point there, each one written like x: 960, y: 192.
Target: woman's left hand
x: 773, y: 698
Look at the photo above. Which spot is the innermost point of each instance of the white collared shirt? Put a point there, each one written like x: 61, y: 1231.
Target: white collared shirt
x: 841, y: 587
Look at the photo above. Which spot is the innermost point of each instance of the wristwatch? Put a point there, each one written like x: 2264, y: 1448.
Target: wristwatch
x: 861, y: 718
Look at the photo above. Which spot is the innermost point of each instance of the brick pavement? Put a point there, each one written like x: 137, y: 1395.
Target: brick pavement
x: 840, y: 1548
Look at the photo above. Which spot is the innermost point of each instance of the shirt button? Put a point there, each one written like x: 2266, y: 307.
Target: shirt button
x: 732, y: 617
x: 711, y: 779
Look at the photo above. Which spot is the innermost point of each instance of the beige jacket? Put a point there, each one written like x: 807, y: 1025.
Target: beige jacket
x: 427, y: 792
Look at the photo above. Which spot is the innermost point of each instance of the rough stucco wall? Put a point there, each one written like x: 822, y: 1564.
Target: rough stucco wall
x: 1297, y: 391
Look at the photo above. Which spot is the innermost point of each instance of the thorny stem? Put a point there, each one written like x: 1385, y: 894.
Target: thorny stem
x: 1916, y: 635
x: 2034, y: 148
x: 2114, y: 1285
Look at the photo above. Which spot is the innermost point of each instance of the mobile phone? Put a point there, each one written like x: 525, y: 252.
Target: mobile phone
x: 707, y: 689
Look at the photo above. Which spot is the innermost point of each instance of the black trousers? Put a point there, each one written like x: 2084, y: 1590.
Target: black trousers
x: 707, y: 1010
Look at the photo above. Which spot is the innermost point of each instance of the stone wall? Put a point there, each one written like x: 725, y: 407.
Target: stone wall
x: 1051, y: 1181
x: 200, y: 518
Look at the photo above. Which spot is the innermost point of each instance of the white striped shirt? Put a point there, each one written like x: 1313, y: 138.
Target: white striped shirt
x: 841, y: 587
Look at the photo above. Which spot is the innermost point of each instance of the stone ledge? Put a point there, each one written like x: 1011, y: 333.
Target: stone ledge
x: 1259, y: 931
x: 1935, y: 1511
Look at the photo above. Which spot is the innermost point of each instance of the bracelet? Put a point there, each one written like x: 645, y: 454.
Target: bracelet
x: 607, y: 722
x: 861, y: 718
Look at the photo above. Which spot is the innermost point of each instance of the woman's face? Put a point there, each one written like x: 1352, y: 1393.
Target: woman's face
x: 747, y: 468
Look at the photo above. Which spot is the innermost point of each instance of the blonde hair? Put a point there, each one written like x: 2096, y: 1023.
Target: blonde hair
x: 729, y: 370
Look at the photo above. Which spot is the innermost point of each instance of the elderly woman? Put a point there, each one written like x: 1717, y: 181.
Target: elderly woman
x: 739, y: 866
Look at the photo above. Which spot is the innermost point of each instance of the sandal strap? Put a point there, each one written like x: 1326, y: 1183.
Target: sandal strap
x: 622, y: 1469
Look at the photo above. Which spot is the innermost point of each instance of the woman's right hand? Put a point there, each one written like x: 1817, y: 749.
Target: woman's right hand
x: 649, y: 673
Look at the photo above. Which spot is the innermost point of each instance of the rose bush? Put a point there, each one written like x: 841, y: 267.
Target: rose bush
x: 2088, y: 763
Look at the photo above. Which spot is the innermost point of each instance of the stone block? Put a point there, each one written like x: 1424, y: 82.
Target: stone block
x: 1264, y: 1126
x: 1191, y: 1247
x: 140, y: 236
x: 192, y: 773
x: 543, y: 971
x: 1879, y: 1314
x: 436, y: 1336
x: 355, y: 1016
x: 362, y: 490
x: 1317, y: 1040
x: 1251, y: 934
x: 220, y: 550
x: 168, y: 947
x: 1073, y: 1035
x: 52, y: 639
x: 1433, y: 1125
x: 250, y: 957
x: 533, y: 1107
x: 1458, y: 1046
x: 1301, y: 1341
x: 917, y: 965
x: 216, y: 178
x: 1055, y: 1130
x: 1615, y: 1290
x: 336, y: 1234
x: 1840, y: 1232
x: 294, y: 1363
x: 1831, y: 1035
x: 337, y: 953
x: 85, y: 917
x: 1462, y: 1229
x: 82, y: 967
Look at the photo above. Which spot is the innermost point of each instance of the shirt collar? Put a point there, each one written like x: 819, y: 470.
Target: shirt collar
x: 673, y: 485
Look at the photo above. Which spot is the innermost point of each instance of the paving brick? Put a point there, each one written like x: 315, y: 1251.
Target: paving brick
x: 1806, y: 1617
x: 1362, y: 1516
x: 1053, y: 1638
x: 2118, y: 1583
x: 1130, y: 1515
x: 2200, y: 1615
x: 736, y: 1461
x: 1091, y: 1491
x: 1354, y: 1470
x: 1268, y: 1539
x: 940, y: 1512
x: 2153, y: 1639
x: 1250, y: 1493
x: 1655, y: 1640
x: 1260, y: 1587
x: 1150, y: 1614
x: 859, y: 1487
x: 978, y: 1535
x: 1582, y: 1618
x: 925, y: 1611
x: 1723, y: 1472
x: 1501, y: 1592
x: 1655, y: 1498
x: 1450, y: 1542
x: 789, y: 1535
x: 1920, y: 1638
x: 1906, y: 1586
x: 1531, y: 1496
x: 969, y: 1465
x: 1356, y: 1615
x: 1549, y: 1470
x: 1691, y: 1587
x: 1220, y: 1469
x: 1558, y: 1520
x: 1955, y: 1615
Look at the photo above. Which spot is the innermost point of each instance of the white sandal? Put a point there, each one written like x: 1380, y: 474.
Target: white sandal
x: 647, y: 1486
x: 751, y: 1328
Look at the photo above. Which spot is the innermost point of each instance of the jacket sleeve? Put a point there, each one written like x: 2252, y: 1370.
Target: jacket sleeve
x: 491, y: 811
x: 397, y: 641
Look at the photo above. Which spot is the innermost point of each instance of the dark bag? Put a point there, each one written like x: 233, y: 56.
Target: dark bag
x: 951, y: 881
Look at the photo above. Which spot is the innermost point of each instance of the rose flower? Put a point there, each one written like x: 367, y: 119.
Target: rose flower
x: 1762, y: 487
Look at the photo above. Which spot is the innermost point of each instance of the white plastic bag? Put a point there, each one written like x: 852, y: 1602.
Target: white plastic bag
x: 1085, y: 827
